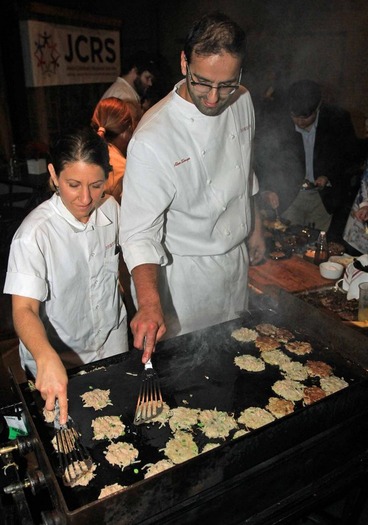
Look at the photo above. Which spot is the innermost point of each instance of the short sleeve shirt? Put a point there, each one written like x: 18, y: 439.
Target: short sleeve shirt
x: 72, y: 269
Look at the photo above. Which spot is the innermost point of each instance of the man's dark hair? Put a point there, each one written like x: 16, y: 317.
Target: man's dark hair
x: 142, y: 61
x: 213, y: 34
x: 304, y: 98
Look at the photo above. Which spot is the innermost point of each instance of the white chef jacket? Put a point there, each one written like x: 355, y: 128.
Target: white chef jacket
x: 123, y: 90
x: 185, y: 206
x: 72, y: 269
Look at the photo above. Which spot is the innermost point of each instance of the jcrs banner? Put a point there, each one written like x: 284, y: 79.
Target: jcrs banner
x: 57, y: 54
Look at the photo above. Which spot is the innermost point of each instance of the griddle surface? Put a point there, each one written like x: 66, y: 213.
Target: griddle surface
x: 196, y: 370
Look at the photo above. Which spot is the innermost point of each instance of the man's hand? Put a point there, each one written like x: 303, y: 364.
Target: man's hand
x: 271, y: 199
x: 256, y: 248
x: 148, y: 327
x: 321, y: 182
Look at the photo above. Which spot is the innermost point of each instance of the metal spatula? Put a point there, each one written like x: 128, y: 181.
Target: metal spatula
x: 149, y: 404
x: 74, y: 460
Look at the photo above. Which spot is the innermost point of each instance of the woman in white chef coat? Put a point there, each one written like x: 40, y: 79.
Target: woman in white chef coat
x: 63, y: 270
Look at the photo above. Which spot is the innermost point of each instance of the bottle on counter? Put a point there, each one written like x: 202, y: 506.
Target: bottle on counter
x: 321, y: 253
x: 14, y: 165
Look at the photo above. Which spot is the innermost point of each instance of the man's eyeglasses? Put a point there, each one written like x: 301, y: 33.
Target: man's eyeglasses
x: 223, y: 90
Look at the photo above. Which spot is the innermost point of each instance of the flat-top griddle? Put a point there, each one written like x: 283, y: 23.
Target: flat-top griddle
x: 265, y: 472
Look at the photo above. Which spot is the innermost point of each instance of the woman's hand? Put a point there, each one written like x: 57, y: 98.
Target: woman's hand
x: 51, y: 376
x: 52, y: 382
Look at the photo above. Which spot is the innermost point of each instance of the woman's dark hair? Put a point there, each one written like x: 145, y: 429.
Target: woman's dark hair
x: 80, y: 145
x: 213, y: 34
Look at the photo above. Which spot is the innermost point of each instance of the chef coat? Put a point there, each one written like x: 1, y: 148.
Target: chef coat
x: 72, y: 269
x: 186, y: 207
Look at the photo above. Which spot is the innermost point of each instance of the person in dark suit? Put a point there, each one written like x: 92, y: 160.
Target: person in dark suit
x: 303, y: 152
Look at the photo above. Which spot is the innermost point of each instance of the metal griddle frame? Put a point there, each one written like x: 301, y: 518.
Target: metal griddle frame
x: 270, y: 476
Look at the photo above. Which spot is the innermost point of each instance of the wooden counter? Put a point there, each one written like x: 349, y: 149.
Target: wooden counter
x: 293, y: 275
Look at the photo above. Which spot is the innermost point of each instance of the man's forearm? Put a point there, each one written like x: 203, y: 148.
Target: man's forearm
x: 148, y: 325
x: 145, y: 278
x: 258, y: 226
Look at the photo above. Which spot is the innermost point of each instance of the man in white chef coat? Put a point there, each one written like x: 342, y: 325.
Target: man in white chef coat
x: 189, y: 220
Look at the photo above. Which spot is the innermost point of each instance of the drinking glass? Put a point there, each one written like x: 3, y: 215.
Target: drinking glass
x: 363, y: 302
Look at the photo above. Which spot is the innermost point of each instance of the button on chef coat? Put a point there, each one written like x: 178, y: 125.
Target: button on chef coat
x: 72, y: 269
x: 185, y: 173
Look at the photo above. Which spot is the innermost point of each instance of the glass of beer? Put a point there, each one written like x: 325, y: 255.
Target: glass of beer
x: 363, y: 302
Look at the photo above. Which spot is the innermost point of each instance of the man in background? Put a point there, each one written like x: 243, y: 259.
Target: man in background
x: 137, y: 77
x: 304, y: 156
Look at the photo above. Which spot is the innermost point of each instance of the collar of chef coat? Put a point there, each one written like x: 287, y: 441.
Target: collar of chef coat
x: 97, y: 217
x: 188, y: 109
